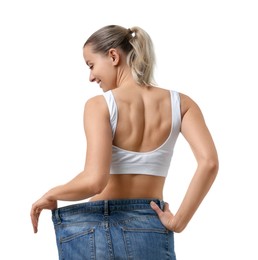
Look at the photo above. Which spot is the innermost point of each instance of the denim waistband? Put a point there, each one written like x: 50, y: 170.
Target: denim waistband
x: 106, y: 206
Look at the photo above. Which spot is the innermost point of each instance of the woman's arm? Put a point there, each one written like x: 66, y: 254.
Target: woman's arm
x: 93, y: 179
x: 199, y: 138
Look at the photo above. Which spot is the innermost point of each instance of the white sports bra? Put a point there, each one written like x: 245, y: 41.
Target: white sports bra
x: 155, y: 162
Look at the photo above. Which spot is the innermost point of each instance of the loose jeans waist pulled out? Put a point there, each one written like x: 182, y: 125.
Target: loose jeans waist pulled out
x: 111, y: 230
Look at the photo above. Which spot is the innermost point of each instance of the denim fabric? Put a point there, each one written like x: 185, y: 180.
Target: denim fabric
x: 113, y: 229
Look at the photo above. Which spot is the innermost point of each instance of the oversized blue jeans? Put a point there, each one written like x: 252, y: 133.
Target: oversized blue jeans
x: 112, y: 229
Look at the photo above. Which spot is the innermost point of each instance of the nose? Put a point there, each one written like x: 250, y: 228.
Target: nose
x: 92, y: 78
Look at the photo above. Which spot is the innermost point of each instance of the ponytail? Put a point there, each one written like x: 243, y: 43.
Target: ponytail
x: 141, y: 58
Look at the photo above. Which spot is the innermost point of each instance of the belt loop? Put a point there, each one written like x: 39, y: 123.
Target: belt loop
x: 106, y: 210
x: 161, y: 203
x: 57, y: 217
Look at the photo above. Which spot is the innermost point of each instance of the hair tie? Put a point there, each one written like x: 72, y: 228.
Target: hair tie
x: 131, y: 32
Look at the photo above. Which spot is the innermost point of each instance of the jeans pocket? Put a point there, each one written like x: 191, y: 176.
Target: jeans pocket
x: 142, y: 243
x: 77, y: 243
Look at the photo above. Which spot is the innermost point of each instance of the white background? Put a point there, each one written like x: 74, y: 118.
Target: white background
x: 205, y: 49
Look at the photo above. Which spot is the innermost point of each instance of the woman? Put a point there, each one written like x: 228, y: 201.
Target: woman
x: 131, y: 131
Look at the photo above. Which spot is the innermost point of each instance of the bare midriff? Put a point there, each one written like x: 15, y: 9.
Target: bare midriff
x: 131, y: 186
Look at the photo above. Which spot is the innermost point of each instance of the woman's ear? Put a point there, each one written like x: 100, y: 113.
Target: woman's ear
x: 115, y: 56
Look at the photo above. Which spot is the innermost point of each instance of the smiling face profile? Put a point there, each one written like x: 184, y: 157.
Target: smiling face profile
x: 103, y: 67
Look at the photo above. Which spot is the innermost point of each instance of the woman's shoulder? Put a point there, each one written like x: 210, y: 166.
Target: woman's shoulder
x: 187, y: 103
x: 95, y: 100
x: 96, y: 104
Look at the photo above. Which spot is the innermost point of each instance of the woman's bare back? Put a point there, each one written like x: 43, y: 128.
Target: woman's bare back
x: 144, y: 124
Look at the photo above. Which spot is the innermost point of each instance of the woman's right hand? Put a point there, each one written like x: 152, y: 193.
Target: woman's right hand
x: 37, y: 207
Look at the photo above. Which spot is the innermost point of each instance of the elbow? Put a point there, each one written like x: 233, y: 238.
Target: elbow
x: 210, y: 166
x: 96, y: 189
x: 98, y: 185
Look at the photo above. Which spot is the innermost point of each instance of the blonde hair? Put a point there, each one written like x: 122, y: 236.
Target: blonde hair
x: 134, y: 42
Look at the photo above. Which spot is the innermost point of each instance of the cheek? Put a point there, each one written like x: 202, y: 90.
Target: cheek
x: 111, y: 71
x: 111, y: 76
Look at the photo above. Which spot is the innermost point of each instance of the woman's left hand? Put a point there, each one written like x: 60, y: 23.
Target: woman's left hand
x: 37, y: 207
x: 166, y: 216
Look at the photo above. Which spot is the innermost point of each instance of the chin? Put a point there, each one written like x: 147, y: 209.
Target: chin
x: 105, y: 89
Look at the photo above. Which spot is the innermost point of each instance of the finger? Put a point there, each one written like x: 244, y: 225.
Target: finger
x: 156, y: 208
x: 166, y: 207
x: 35, y: 227
x: 34, y: 222
x: 34, y: 219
